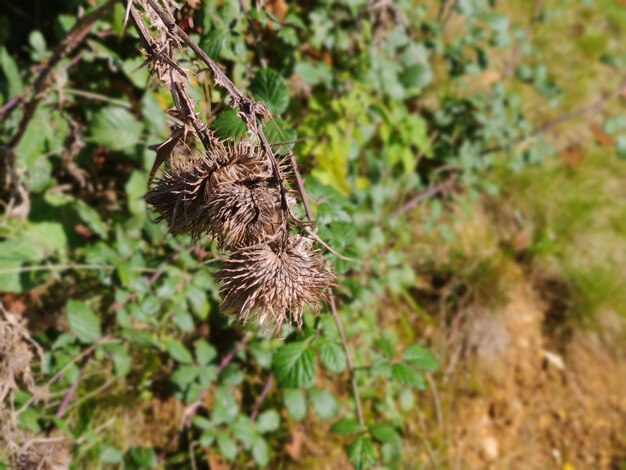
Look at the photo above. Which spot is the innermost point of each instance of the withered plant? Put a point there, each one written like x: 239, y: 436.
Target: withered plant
x: 236, y: 192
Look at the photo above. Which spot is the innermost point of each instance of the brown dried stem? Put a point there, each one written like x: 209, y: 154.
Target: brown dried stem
x: 75, y: 36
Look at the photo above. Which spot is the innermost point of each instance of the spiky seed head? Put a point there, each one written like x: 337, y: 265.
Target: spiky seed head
x: 184, y: 194
x: 272, y: 283
x: 179, y: 195
x: 243, y: 215
x: 44, y: 454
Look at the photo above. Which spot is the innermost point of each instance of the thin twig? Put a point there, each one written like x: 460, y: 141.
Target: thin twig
x: 264, y: 392
x: 351, y: 369
x: 422, y: 196
x: 69, y: 394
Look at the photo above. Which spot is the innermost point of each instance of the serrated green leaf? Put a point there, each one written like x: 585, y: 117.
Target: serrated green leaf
x: 384, y: 433
x: 324, y: 403
x: 178, y: 351
x: 205, y: 352
x: 115, y: 128
x: 213, y: 42
x: 229, y: 124
x: 332, y: 355
x: 83, y: 322
x: 268, y: 421
x: 227, y: 446
x: 243, y: 430
x: 295, y: 402
x: 418, y: 356
x: 225, y: 408
x: 346, y: 426
x: 184, y: 375
x: 407, y: 375
x: 294, y: 365
x: 278, y: 131
x: 361, y: 453
x: 270, y: 88
x: 202, y: 423
x: 261, y: 451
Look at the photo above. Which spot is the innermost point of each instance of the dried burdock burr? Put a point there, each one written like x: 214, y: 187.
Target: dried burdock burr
x: 271, y: 283
x: 229, y: 193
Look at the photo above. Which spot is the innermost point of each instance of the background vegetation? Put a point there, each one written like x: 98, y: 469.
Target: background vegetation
x: 467, y: 154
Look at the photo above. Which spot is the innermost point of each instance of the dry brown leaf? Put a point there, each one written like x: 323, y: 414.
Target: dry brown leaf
x: 293, y: 446
x: 164, y: 151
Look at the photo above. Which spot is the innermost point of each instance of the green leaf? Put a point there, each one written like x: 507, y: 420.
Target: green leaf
x: 346, y: 426
x: 278, y: 131
x: 361, y: 453
x: 202, y: 423
x: 243, y: 430
x: 268, y: 421
x: 178, y: 351
x: 91, y: 217
x: 261, y: 451
x: 83, y: 322
x: 384, y: 433
x: 229, y: 124
x: 135, y: 189
x: 184, y: 375
x: 332, y: 355
x: 295, y: 402
x: 115, y: 128
x: 207, y: 437
x: 270, y: 88
x: 418, y: 356
x: 324, y: 403
x: 262, y: 354
x: 407, y: 375
x: 205, y: 352
x: 386, y: 347
x: 183, y: 320
x: 11, y: 73
x: 417, y: 75
x: 227, y: 446
x: 294, y: 365
x: 144, y: 457
x: 225, y: 408
x: 213, y: 42
x: 121, y: 359
x: 111, y: 455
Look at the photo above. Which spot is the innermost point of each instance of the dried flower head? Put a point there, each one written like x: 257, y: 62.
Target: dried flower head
x: 15, y: 355
x: 244, y: 215
x: 273, y: 283
x: 44, y: 454
x: 229, y: 194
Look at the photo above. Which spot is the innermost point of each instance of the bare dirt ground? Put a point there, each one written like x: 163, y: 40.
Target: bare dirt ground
x: 539, y: 398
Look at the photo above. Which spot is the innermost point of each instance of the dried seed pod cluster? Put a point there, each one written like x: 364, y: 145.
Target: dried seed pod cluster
x: 232, y: 193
